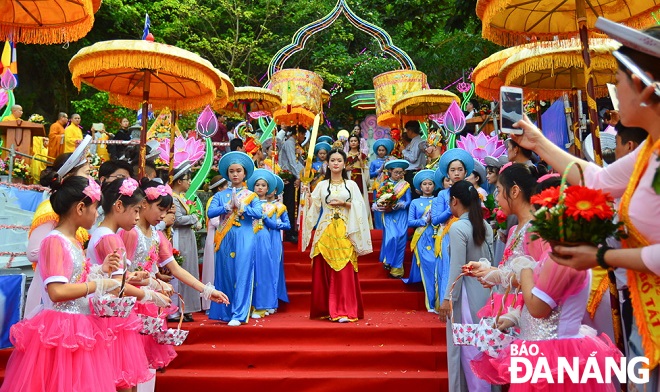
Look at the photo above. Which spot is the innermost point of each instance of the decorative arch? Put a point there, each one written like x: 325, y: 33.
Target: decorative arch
x: 304, y: 33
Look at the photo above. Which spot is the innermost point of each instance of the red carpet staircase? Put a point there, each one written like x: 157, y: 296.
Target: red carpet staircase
x: 397, y: 346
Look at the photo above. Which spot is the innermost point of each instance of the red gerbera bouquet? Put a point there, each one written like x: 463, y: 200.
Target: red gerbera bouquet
x: 576, y: 214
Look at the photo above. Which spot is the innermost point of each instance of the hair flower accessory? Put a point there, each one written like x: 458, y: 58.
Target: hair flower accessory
x: 154, y: 193
x: 128, y: 187
x: 92, y: 190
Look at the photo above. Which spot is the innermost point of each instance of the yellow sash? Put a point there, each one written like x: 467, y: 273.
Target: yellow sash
x: 400, y: 189
x: 440, y: 236
x: 644, y: 287
x: 599, y: 285
x: 244, y: 197
x: 183, y: 201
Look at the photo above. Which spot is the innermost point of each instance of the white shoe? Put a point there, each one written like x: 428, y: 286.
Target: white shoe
x: 234, y: 323
x: 255, y: 316
x: 432, y: 311
x: 266, y: 314
x: 272, y: 311
x: 344, y: 320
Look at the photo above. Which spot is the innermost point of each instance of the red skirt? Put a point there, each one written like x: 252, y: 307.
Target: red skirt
x: 335, y: 294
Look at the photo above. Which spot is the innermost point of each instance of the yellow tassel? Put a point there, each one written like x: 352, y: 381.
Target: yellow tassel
x: 599, y: 285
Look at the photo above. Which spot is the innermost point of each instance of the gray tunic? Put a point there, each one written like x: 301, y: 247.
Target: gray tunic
x: 183, y: 239
x: 462, y: 250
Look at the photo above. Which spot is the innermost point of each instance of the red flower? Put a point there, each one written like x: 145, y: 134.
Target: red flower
x: 583, y: 202
x: 175, y: 252
x: 547, y: 198
x: 500, y: 216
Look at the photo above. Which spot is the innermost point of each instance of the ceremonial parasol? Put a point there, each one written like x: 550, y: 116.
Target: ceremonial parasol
x: 250, y: 99
x: 45, y: 21
x: 389, y: 87
x: 486, y: 77
x: 140, y: 72
x: 514, y: 22
x: 424, y: 102
x: 301, y: 96
x: 547, y: 72
x: 325, y: 96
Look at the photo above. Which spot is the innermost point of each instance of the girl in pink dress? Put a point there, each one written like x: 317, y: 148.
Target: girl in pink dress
x: 149, y: 249
x: 515, y: 186
x: 554, y: 299
x: 121, y: 206
x: 63, y: 347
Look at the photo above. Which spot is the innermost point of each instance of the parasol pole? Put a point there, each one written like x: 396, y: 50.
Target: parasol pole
x: 581, y: 14
x: 172, y: 137
x: 569, y: 120
x: 537, y: 103
x: 145, y: 115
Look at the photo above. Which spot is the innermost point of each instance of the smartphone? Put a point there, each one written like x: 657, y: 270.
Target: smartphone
x: 511, y: 109
x: 634, y: 69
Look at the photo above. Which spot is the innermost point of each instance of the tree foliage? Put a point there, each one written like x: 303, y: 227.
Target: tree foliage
x: 241, y: 36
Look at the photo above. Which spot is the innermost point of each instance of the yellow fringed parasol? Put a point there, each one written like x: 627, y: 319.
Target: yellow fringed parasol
x: 45, y: 21
x: 424, y: 102
x: 251, y: 99
x: 515, y: 22
x: 301, y: 96
x: 547, y: 72
x: 390, y: 87
x: 485, y: 75
x: 138, y: 73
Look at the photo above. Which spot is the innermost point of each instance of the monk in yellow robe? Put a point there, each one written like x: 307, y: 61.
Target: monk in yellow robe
x: 72, y: 134
x: 56, y: 136
x: 16, y: 113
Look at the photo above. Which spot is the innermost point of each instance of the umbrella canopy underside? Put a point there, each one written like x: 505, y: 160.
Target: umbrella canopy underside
x: 514, y: 22
x: 45, y: 21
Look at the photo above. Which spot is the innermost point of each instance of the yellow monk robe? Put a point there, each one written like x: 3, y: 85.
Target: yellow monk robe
x: 102, y: 149
x: 39, y: 150
x: 10, y: 117
x: 55, y: 140
x: 72, y: 135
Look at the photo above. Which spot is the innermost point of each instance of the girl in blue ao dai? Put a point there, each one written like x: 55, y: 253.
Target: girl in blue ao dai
x: 395, y: 216
x: 382, y: 148
x: 419, y: 218
x: 237, y: 208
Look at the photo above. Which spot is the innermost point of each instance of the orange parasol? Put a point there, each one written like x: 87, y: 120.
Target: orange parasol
x: 45, y: 21
x: 137, y: 72
x: 424, y: 102
x: 547, y: 72
x: 485, y: 75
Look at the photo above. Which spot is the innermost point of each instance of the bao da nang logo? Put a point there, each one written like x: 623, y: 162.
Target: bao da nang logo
x: 569, y: 370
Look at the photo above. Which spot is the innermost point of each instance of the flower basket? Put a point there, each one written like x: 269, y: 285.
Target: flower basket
x: 574, y: 215
x: 174, y: 336
x: 151, y: 325
x: 108, y: 305
x: 488, y: 338
x: 462, y: 334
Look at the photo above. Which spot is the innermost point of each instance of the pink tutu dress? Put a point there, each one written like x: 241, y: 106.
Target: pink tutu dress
x: 559, y: 334
x: 129, y: 360
x: 519, y: 243
x: 149, y: 253
x: 63, y: 347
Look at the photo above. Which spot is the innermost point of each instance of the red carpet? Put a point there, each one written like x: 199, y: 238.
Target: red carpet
x: 397, y: 345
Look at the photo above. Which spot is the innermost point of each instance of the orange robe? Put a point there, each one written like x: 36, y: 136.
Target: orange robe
x: 55, y: 140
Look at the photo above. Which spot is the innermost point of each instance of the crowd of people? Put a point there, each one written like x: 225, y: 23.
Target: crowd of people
x: 420, y: 195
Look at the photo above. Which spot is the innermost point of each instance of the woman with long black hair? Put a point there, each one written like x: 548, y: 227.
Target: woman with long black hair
x: 342, y: 234
x: 471, y: 238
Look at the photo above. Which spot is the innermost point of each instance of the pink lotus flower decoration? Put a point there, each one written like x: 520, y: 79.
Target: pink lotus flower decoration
x: 454, y: 120
x: 481, y: 146
x: 8, y: 80
x: 190, y: 149
x: 4, y: 97
x: 207, y: 123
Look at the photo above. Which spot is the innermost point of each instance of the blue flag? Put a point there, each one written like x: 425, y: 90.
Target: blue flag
x: 147, y: 24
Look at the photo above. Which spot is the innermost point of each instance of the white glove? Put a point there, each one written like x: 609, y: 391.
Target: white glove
x: 96, y: 272
x: 520, y: 263
x: 234, y: 199
x: 152, y: 296
x: 105, y: 285
x: 399, y: 206
x: 207, y: 292
x: 157, y: 285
